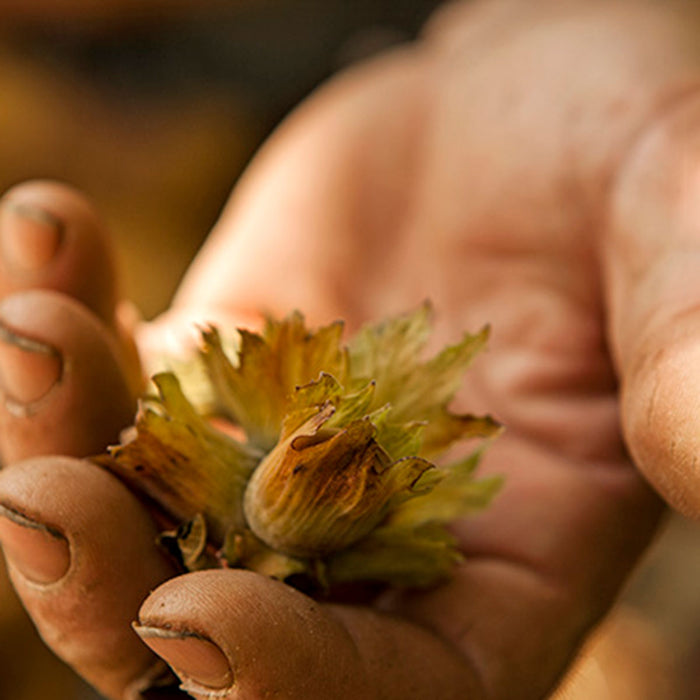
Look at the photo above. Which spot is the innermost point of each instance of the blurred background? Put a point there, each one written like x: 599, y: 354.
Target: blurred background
x: 153, y: 112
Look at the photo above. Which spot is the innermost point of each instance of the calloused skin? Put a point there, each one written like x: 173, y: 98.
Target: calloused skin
x: 532, y: 165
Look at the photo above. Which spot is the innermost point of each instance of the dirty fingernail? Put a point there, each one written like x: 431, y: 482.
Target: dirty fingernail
x: 199, y: 663
x: 29, y: 236
x: 29, y: 369
x: 36, y: 551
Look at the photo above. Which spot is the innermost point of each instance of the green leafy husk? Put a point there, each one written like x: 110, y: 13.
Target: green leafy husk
x: 325, y: 468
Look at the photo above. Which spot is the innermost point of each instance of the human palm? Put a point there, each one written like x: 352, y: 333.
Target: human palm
x: 485, y: 170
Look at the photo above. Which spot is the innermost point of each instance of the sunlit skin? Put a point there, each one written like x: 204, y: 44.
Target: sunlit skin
x: 526, y: 164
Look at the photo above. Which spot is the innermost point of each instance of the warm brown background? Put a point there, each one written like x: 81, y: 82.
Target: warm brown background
x: 154, y: 115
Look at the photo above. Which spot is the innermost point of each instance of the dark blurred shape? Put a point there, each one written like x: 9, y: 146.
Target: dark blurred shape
x: 155, y: 119
x: 269, y: 53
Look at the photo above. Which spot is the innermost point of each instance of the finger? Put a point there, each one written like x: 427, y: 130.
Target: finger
x: 652, y: 255
x: 51, y: 238
x: 81, y: 553
x: 305, y: 252
x: 341, y: 172
x: 242, y: 636
x: 64, y: 386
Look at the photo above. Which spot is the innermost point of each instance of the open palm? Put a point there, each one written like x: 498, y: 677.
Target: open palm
x: 507, y: 168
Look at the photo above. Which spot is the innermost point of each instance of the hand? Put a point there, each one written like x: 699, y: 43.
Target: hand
x: 526, y: 165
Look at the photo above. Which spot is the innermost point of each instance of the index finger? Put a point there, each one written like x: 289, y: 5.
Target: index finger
x: 652, y: 257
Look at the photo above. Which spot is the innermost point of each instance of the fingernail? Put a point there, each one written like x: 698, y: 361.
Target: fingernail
x: 29, y: 236
x: 37, y: 552
x: 29, y: 370
x: 199, y: 663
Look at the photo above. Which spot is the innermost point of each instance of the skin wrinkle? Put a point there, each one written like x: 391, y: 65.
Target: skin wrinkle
x: 670, y: 470
x: 333, y: 611
x: 664, y: 108
x: 658, y: 106
x: 558, y: 592
x: 464, y: 632
x: 625, y: 247
x: 652, y: 404
x: 638, y: 271
x: 665, y: 312
x: 593, y: 119
x: 358, y: 633
x: 593, y: 483
x: 536, y: 377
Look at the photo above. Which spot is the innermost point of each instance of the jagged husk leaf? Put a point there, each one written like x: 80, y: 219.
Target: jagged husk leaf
x: 329, y: 475
x: 454, y: 496
x: 182, y: 462
x: 387, y: 352
x: 398, y: 439
x: 401, y: 557
x: 412, y: 548
x: 255, y: 393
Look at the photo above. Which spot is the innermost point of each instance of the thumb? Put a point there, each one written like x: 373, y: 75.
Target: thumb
x: 238, y: 635
x: 652, y: 256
